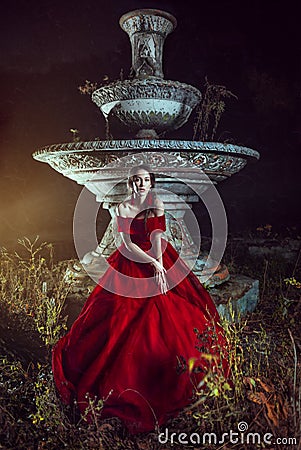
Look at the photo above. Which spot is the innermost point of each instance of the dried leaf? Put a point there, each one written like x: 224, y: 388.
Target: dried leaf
x: 281, y: 406
x: 250, y: 382
x: 272, y: 415
x: 267, y: 387
x: 257, y: 397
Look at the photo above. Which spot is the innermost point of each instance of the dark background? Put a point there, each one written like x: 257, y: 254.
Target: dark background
x: 49, y: 48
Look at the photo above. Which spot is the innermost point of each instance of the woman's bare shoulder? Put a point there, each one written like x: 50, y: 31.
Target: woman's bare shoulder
x: 158, y: 207
x: 123, y: 209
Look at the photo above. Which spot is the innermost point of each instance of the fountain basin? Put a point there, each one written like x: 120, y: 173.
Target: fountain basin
x: 80, y: 161
x: 151, y: 104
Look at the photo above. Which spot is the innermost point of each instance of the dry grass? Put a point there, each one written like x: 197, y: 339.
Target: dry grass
x: 264, y: 354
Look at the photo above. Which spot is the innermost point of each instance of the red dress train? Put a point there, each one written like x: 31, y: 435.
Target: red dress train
x: 131, y: 344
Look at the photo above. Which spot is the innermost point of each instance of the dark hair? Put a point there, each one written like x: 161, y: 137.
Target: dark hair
x: 133, y: 171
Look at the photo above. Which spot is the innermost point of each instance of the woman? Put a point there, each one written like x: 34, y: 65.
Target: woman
x: 145, y: 320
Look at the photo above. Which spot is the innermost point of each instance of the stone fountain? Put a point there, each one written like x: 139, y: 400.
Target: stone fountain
x: 150, y: 106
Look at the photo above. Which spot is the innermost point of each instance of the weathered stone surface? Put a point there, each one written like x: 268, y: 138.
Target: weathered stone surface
x: 147, y: 30
x: 287, y: 249
x: 237, y: 297
x: 152, y: 104
x: 85, y: 162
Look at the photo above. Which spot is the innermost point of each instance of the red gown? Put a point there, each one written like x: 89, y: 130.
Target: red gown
x: 131, y: 345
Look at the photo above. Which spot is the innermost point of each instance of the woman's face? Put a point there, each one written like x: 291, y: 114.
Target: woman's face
x: 142, y: 182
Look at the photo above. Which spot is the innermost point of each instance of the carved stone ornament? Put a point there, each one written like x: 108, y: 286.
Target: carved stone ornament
x: 148, y: 105
x: 151, y: 104
x: 80, y: 160
x: 147, y: 30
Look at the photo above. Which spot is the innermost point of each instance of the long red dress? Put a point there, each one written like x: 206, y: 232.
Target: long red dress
x: 131, y: 344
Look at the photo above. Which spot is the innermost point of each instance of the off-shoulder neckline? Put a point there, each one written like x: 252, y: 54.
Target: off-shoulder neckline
x: 142, y: 218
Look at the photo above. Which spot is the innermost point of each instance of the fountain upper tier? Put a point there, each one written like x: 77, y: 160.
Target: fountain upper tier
x: 147, y: 104
x: 148, y: 107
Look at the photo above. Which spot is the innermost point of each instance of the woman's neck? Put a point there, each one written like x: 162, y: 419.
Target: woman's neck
x: 139, y: 201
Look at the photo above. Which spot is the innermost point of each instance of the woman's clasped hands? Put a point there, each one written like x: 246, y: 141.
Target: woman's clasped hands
x: 160, y: 276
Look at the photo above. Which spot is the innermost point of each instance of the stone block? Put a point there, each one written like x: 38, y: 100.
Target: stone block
x: 236, y: 297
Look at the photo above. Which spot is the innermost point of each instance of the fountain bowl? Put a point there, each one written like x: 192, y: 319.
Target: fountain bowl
x: 148, y: 107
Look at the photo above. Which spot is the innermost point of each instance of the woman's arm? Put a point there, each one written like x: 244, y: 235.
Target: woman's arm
x: 142, y: 256
x: 157, y: 234
x: 160, y: 275
x: 156, y: 245
x: 138, y: 253
x: 157, y: 249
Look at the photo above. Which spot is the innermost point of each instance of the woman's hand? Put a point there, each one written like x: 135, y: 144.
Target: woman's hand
x: 160, y: 276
